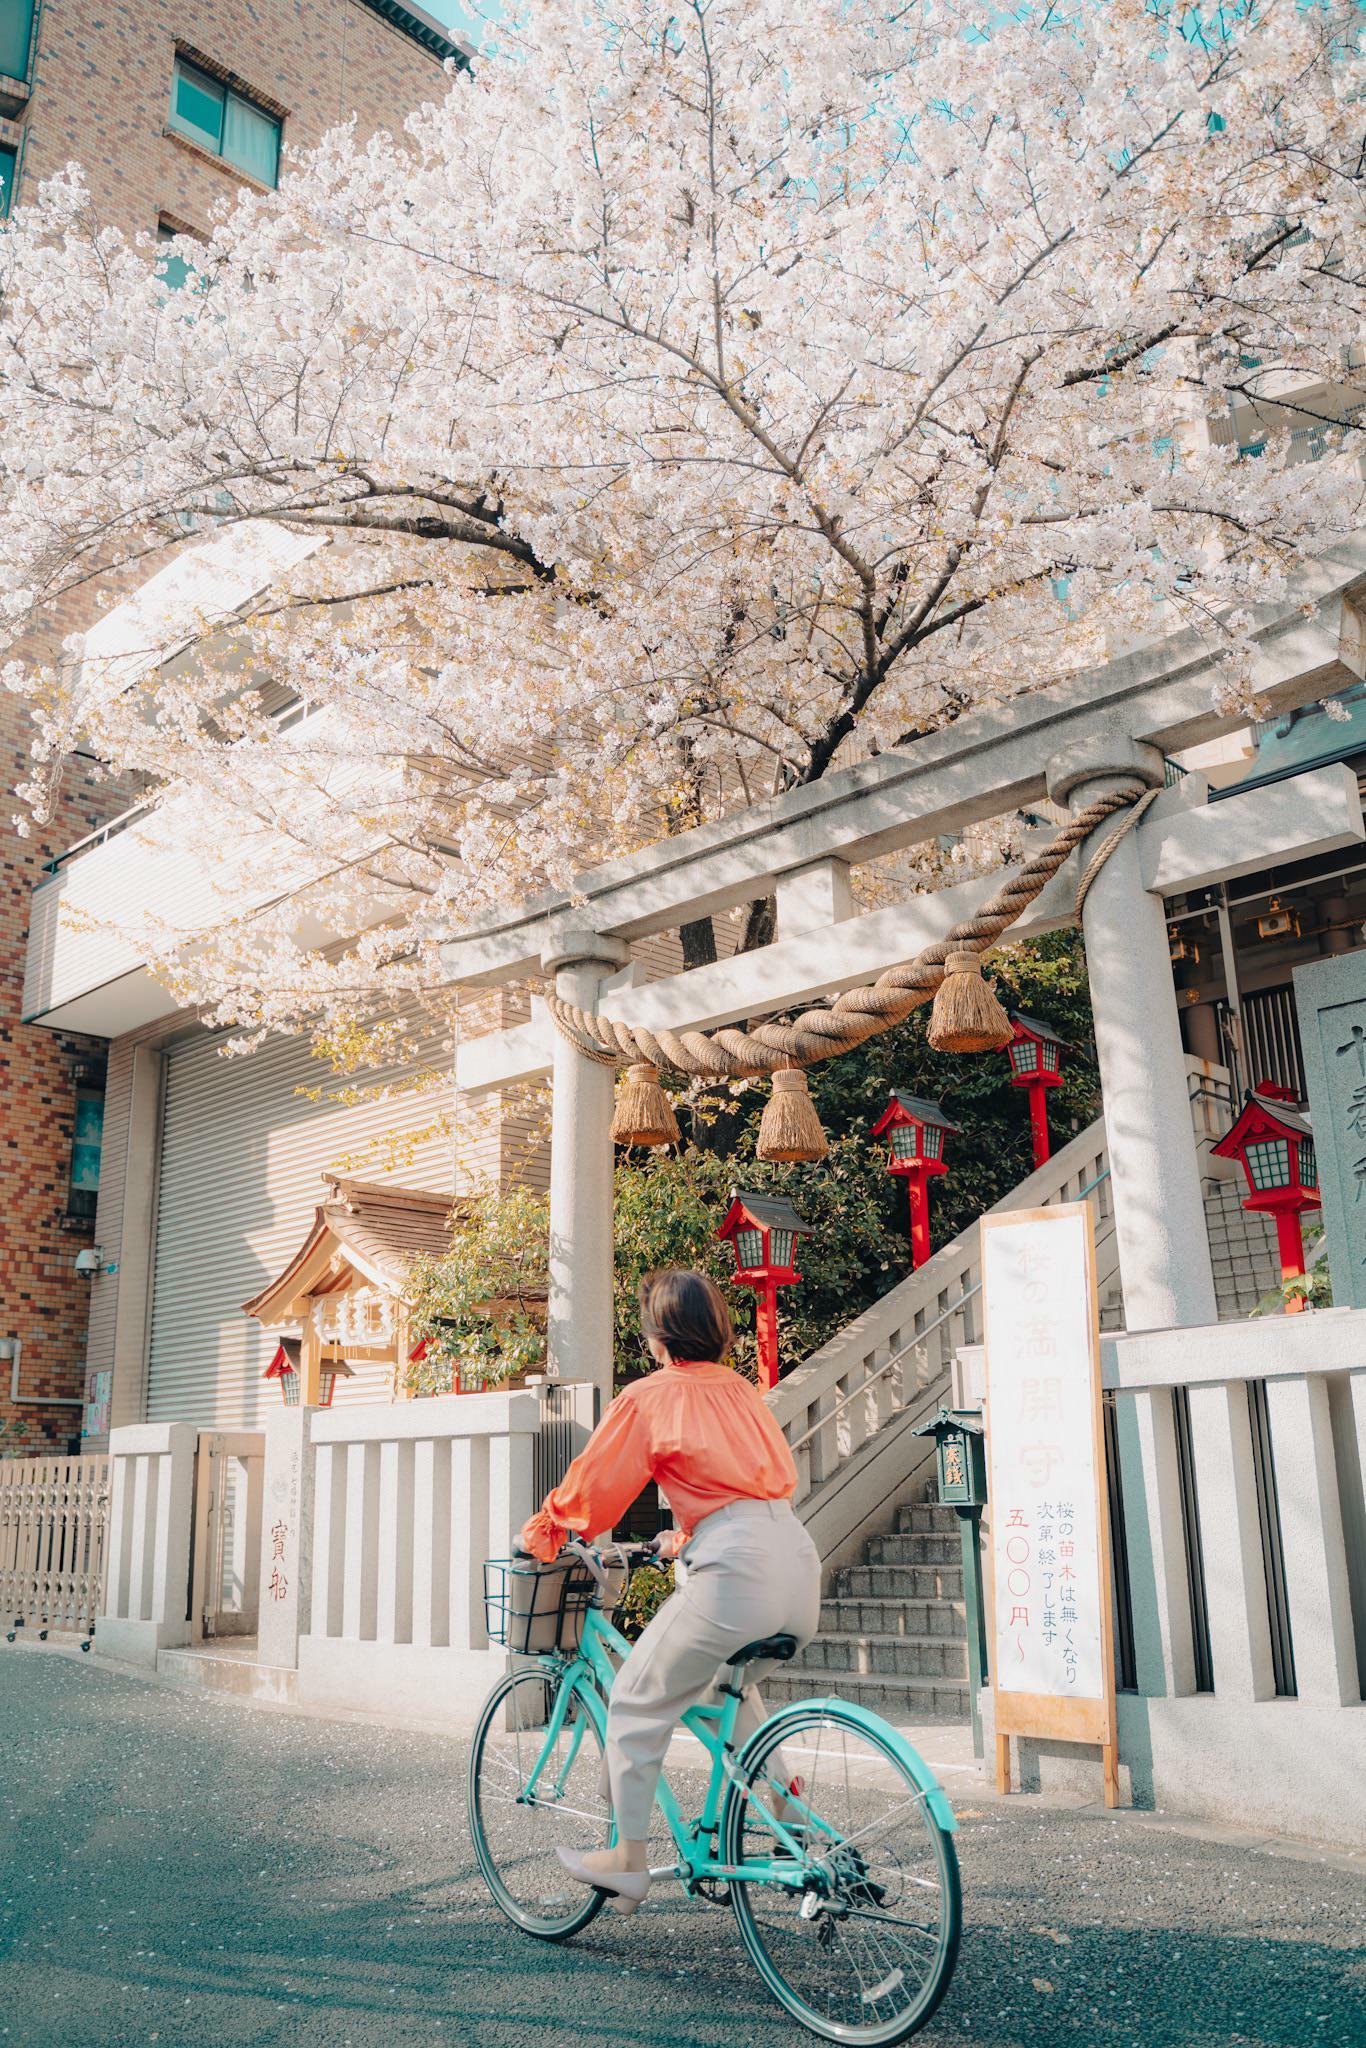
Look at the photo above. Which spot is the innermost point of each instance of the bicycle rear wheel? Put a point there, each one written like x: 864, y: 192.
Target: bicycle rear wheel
x: 520, y: 1815
x: 859, y: 1943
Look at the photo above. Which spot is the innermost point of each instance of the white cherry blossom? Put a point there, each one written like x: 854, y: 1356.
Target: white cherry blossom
x: 693, y: 397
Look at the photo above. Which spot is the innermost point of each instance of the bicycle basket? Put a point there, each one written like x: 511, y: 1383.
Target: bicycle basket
x: 534, y: 1608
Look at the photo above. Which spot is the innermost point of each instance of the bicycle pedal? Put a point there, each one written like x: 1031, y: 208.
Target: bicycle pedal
x: 710, y: 1890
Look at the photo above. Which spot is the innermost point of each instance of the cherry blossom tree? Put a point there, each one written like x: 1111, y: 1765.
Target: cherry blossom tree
x: 698, y: 396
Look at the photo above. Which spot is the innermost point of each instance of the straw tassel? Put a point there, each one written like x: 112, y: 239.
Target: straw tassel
x: 967, y: 1016
x: 790, y: 1127
x: 643, y: 1114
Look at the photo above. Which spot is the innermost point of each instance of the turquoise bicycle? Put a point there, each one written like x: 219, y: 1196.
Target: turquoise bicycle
x: 826, y: 1832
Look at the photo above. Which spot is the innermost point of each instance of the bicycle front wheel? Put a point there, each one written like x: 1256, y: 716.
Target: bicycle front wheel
x: 858, y: 1936
x: 529, y: 1795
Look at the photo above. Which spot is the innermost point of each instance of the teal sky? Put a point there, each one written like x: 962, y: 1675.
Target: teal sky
x: 453, y: 14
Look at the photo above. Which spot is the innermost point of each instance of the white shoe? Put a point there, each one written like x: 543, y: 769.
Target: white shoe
x: 624, y: 1888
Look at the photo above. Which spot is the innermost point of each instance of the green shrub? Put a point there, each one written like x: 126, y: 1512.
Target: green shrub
x: 649, y: 1588
x: 480, y: 1307
x: 1313, y: 1288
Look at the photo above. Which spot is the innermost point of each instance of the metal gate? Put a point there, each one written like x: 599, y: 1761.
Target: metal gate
x: 1270, y: 1042
x: 225, y: 1559
x: 54, y: 1513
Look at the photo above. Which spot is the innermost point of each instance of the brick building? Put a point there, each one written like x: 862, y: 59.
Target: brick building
x: 169, y: 108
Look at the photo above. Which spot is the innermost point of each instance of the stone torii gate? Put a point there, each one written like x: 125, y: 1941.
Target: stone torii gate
x: 1105, y: 730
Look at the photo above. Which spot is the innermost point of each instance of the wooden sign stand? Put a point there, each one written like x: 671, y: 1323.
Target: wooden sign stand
x: 1055, y: 1716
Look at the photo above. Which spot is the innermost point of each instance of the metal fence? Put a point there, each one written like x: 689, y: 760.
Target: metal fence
x: 54, y: 1514
x: 560, y: 1437
x: 1270, y: 1048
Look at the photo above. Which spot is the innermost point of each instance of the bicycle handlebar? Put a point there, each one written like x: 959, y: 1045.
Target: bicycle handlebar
x: 593, y: 1561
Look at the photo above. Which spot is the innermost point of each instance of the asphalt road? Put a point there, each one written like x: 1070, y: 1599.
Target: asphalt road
x: 185, y: 1870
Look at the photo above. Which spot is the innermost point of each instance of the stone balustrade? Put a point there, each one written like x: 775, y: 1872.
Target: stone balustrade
x: 145, y: 1606
x: 849, y: 1412
x: 409, y: 1499
x: 363, y: 1532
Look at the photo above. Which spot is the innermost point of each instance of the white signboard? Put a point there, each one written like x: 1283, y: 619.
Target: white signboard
x: 1046, y: 1480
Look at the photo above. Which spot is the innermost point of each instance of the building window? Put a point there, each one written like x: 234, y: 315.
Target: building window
x: 16, y: 37
x: 219, y: 119
x: 9, y: 169
x: 85, y: 1153
x: 174, y: 270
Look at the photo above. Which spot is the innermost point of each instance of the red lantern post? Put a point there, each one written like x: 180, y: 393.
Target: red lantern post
x: 1273, y: 1141
x: 915, y: 1132
x: 1035, y: 1054
x: 762, y: 1230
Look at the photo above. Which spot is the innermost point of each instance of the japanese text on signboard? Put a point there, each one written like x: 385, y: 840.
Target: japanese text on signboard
x: 1041, y: 1409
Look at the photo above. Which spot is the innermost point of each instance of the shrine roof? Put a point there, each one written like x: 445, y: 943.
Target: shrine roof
x: 376, y: 1231
x: 769, y: 1211
x: 917, y: 1106
x: 1258, y: 1113
x: 1036, y: 1029
x: 390, y: 1225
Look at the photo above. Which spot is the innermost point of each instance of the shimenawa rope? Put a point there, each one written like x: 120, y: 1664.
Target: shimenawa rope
x: 738, y: 1052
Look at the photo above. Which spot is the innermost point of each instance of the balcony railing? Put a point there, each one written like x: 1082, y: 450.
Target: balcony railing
x: 101, y: 837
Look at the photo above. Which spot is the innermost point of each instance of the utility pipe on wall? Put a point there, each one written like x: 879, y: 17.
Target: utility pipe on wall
x: 12, y: 1348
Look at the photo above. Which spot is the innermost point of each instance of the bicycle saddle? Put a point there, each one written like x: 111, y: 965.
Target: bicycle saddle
x: 779, y: 1648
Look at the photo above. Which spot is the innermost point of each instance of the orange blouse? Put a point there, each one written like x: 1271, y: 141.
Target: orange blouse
x: 703, y: 1433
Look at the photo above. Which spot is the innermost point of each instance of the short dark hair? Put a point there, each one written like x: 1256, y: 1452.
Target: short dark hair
x: 686, y: 1312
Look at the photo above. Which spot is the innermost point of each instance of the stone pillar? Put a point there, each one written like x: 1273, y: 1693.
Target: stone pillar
x: 1312, y: 1540
x: 1231, y: 1538
x: 286, y: 1535
x: 1159, y: 1586
x: 1164, y: 1257
x: 579, y: 1322
x: 810, y: 898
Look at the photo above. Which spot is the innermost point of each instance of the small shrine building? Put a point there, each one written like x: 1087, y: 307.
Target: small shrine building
x: 340, y: 1300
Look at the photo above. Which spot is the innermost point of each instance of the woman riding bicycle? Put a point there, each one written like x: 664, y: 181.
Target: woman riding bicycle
x: 707, y: 1438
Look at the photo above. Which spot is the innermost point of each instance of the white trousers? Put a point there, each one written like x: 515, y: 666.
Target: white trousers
x: 751, y: 1570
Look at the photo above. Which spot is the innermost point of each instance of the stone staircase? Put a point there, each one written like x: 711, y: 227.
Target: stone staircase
x: 850, y: 1412
x: 893, y: 1632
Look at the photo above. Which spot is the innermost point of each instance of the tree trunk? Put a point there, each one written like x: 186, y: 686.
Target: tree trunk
x: 699, y: 942
x: 761, y: 925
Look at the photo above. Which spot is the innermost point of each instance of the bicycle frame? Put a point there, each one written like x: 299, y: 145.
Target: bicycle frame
x: 588, y: 1677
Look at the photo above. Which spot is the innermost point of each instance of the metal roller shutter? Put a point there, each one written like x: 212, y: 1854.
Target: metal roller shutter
x: 242, y: 1159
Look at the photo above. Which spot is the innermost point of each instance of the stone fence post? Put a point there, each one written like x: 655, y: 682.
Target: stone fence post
x: 146, y: 1604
